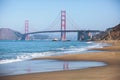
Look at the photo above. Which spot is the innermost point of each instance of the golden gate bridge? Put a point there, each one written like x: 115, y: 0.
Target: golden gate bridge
x: 81, y: 34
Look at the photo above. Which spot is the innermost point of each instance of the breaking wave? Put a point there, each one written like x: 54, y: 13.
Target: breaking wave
x: 57, y: 51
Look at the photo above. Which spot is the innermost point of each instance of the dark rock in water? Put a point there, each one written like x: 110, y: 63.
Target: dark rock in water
x: 110, y: 34
x: 8, y: 34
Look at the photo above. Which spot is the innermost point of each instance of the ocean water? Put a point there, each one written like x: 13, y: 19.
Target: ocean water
x: 15, y: 56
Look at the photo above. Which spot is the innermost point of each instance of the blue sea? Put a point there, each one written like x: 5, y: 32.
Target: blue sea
x: 15, y: 56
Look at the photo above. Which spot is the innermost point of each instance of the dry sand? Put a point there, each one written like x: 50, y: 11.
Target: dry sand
x: 109, y: 72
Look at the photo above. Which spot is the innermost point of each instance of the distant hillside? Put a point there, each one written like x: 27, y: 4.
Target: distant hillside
x: 110, y: 34
x: 8, y: 34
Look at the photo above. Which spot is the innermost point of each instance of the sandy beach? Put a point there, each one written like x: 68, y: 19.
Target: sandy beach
x: 110, y: 55
x: 115, y: 45
x: 110, y: 72
x: 108, y: 48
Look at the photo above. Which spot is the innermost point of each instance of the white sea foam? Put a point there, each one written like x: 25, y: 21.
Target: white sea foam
x: 89, y: 42
x: 72, y: 49
x: 98, y: 45
x: 61, y: 48
x: 85, y: 48
x: 26, y: 56
x: 9, y: 61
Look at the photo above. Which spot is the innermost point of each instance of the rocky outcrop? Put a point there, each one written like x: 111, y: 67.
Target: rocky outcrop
x: 110, y: 34
x: 8, y: 34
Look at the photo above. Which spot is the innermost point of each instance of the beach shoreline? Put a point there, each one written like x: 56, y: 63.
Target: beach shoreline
x: 110, y: 72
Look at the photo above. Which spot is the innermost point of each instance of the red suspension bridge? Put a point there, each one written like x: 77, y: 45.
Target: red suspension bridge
x: 81, y: 34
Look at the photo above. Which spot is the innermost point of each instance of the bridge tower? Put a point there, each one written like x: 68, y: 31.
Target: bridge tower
x: 27, y: 29
x: 63, y: 25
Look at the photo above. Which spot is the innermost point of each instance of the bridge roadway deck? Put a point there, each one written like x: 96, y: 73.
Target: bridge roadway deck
x: 62, y: 31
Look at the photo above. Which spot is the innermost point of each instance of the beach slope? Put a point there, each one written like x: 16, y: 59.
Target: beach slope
x: 109, y: 72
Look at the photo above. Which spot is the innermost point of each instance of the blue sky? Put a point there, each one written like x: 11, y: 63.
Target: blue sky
x: 88, y: 14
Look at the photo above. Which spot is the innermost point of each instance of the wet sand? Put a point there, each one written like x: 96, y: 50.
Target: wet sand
x: 108, y: 57
x: 115, y: 46
x: 108, y: 72
x: 108, y: 48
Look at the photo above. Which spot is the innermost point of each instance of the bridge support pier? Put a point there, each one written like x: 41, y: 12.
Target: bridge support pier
x: 26, y: 29
x: 87, y: 36
x: 63, y: 25
x: 79, y: 36
x: 84, y: 36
